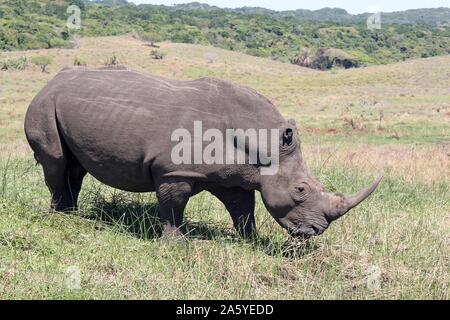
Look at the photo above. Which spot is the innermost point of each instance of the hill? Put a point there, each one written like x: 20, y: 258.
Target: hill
x: 433, y: 16
x: 31, y: 24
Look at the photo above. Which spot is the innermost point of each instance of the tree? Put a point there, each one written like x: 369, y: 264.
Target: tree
x: 42, y: 61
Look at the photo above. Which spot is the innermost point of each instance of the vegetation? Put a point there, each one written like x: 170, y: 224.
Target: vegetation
x: 354, y: 124
x: 112, y: 60
x: 13, y: 64
x: 79, y: 62
x: 31, y: 24
x: 157, y: 54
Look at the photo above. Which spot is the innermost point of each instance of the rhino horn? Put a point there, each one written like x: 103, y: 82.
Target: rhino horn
x: 341, y: 204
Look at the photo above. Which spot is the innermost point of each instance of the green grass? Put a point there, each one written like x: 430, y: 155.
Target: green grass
x: 402, y: 230
x: 115, y: 242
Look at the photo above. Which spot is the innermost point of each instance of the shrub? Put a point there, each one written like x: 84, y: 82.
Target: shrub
x: 112, y: 61
x: 150, y: 36
x: 57, y: 43
x: 79, y: 62
x: 13, y: 64
x: 156, y: 54
x: 36, y: 45
x: 257, y: 52
x: 44, y: 39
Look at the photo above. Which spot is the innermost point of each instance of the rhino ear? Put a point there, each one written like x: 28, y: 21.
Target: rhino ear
x: 287, y: 138
x: 288, y: 133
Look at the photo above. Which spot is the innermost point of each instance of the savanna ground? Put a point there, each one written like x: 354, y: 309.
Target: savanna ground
x: 354, y: 124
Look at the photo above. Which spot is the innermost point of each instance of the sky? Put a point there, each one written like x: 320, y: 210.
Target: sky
x: 352, y: 6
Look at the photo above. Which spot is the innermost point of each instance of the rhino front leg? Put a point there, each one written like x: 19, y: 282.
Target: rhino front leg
x: 173, y: 195
x: 240, y: 204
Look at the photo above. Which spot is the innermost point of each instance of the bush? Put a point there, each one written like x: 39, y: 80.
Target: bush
x: 36, y: 45
x: 58, y: 43
x: 79, y: 62
x: 42, y: 61
x: 257, y: 52
x: 156, y: 54
x: 150, y: 36
x: 13, y: 64
x: 44, y: 39
x: 112, y: 61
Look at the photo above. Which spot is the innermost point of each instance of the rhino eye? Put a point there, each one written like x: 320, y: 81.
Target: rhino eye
x: 300, y: 193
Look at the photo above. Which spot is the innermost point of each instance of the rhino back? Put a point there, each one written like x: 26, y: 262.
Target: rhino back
x: 118, y: 122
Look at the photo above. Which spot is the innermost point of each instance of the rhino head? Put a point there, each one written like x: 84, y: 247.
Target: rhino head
x: 297, y: 200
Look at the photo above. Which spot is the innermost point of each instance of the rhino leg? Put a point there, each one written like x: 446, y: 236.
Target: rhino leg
x: 52, y: 154
x: 63, y: 174
x: 173, y: 195
x: 75, y: 177
x: 63, y: 178
x: 54, y: 174
x: 240, y: 204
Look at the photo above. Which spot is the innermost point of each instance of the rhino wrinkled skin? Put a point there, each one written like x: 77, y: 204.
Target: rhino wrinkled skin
x: 116, y: 124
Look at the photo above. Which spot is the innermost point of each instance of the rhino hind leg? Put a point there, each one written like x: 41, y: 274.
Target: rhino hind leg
x: 62, y: 172
x: 75, y: 177
x: 55, y: 176
x: 240, y: 204
x: 63, y: 178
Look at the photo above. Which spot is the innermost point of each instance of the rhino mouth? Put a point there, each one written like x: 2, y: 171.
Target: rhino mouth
x: 306, y: 231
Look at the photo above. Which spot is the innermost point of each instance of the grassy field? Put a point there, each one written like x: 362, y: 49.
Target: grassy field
x: 354, y: 124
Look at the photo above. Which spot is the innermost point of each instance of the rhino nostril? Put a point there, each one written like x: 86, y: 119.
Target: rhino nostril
x: 316, y: 230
